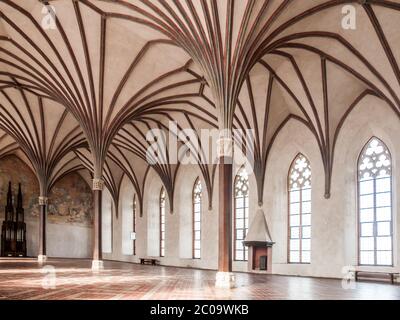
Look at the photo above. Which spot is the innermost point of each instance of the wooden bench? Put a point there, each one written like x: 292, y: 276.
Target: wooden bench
x: 392, y: 275
x: 150, y: 261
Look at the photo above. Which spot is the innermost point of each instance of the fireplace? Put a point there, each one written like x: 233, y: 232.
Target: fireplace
x: 259, y: 242
x: 260, y: 256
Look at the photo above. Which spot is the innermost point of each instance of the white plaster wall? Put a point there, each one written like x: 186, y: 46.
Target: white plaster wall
x: 126, y: 214
x: 63, y: 240
x: 107, y: 221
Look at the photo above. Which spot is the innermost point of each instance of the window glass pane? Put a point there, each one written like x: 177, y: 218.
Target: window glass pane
x: 294, y: 244
x: 367, y: 257
x: 383, y: 185
x: 295, y: 220
x: 384, y: 243
x: 239, y: 223
x: 295, y: 233
x: 306, y: 207
x: 367, y: 229
x: 366, y: 201
x: 383, y: 199
x: 306, y: 244
x: 239, y: 213
x: 306, y: 220
x: 197, y: 245
x: 295, y: 208
x: 294, y: 256
x: 306, y: 233
x: 367, y: 243
x: 367, y: 215
x: 239, y: 234
x: 366, y: 187
x: 384, y: 214
x: 384, y: 229
x: 306, y: 257
x: 295, y: 196
x: 384, y: 258
x: 306, y: 194
x: 239, y: 202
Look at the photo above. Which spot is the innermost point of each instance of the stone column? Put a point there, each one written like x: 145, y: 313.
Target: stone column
x: 43, y: 202
x: 225, y: 278
x: 97, y: 263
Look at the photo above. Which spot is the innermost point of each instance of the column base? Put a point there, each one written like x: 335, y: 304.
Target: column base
x: 97, y: 265
x: 42, y: 258
x: 225, y: 280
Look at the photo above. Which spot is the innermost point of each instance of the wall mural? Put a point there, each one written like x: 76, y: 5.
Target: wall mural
x: 70, y: 200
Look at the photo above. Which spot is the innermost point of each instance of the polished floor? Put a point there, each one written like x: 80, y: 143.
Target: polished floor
x: 73, y: 279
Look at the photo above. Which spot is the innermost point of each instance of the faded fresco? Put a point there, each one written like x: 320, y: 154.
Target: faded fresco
x: 70, y: 200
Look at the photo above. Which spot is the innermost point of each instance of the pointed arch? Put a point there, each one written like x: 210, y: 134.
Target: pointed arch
x: 197, y: 195
x: 299, y: 210
x: 241, y: 214
x: 375, y: 216
x: 162, y: 221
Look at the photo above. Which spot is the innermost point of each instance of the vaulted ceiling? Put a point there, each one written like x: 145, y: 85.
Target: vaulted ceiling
x: 122, y: 67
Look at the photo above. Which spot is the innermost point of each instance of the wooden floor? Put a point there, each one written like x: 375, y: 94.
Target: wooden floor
x: 73, y: 279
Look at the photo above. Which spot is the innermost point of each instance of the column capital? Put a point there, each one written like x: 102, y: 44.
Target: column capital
x: 43, y: 201
x: 98, y: 184
x: 225, y: 146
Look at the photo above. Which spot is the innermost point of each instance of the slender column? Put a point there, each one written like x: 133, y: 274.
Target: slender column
x: 225, y: 278
x: 97, y: 263
x: 43, y: 203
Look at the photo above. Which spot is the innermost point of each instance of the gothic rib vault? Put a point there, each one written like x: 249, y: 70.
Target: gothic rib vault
x: 116, y: 69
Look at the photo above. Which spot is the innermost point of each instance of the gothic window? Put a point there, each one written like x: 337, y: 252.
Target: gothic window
x: 162, y: 223
x: 375, y: 205
x: 299, y: 187
x: 197, y: 196
x: 241, y: 214
x: 134, y: 222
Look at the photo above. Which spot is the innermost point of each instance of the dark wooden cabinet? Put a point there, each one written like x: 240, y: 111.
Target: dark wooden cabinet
x: 13, y: 230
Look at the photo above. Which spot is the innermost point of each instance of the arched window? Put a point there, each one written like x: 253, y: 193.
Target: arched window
x: 375, y: 204
x: 134, y: 223
x: 197, y: 195
x: 162, y: 223
x: 241, y: 214
x: 299, y: 188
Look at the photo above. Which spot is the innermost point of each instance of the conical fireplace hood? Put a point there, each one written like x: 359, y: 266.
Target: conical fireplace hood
x: 258, y: 234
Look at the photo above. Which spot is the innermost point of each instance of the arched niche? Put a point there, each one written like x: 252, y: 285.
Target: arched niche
x: 294, y: 138
x: 126, y: 199
x: 151, y: 208
x: 371, y: 118
x: 107, y: 221
x: 187, y: 176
